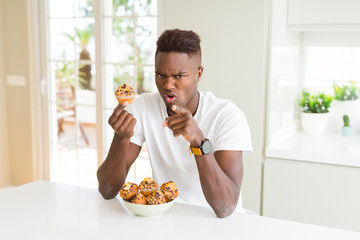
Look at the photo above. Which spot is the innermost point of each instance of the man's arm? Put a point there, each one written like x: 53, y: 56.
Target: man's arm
x: 221, y: 176
x: 220, y: 173
x: 122, y: 153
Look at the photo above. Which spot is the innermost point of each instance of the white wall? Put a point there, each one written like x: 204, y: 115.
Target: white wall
x: 234, y: 45
x: 4, y: 147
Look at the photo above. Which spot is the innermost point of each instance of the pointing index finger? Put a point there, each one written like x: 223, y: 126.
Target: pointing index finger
x: 178, y: 109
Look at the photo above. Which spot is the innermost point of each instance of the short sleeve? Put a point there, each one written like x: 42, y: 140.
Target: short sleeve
x: 233, y: 132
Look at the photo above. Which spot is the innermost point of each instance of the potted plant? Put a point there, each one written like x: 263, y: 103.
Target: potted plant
x: 347, y: 100
x: 346, y: 129
x: 315, y: 111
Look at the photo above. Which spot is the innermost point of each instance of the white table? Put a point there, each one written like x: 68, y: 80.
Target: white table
x: 46, y: 210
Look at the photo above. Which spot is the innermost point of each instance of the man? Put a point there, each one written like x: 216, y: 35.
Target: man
x: 175, y: 121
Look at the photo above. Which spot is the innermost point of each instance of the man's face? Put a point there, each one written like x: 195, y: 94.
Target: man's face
x: 177, y: 76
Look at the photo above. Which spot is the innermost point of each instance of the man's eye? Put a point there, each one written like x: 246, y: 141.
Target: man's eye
x: 179, y: 76
x: 159, y: 75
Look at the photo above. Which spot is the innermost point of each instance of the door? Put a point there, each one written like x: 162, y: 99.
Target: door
x: 92, y: 47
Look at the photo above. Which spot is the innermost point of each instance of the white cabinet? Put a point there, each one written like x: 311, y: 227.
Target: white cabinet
x: 324, y: 15
x: 314, y: 193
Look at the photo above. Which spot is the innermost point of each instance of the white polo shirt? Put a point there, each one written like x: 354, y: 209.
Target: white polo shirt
x: 221, y: 121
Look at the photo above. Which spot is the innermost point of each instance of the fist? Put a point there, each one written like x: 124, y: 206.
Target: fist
x: 122, y: 121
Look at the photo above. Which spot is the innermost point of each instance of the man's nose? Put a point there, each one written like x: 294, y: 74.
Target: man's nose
x: 169, y: 82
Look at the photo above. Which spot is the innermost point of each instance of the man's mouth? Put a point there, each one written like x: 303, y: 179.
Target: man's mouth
x: 169, y: 97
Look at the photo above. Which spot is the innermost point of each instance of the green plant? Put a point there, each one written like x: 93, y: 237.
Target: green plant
x: 312, y: 102
x: 122, y: 28
x: 82, y: 38
x: 346, y: 121
x: 347, y: 91
x: 65, y: 74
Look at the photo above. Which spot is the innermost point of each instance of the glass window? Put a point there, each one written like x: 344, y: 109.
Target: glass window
x: 127, y: 32
x: 327, y: 64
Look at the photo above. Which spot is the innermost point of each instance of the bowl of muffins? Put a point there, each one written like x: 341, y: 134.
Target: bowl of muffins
x: 146, y: 199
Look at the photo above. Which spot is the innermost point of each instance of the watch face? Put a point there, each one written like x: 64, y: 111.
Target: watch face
x: 206, y: 147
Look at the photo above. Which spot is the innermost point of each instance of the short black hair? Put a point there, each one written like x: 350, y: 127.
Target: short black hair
x: 176, y: 40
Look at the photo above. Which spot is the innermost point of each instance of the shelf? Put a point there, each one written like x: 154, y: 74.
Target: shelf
x: 329, y: 148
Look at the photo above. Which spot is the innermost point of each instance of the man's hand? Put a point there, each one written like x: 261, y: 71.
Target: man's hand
x: 183, y: 123
x: 219, y: 170
x: 122, y: 121
x: 122, y: 154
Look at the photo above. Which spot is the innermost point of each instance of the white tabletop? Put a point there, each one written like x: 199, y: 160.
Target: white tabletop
x: 46, y: 210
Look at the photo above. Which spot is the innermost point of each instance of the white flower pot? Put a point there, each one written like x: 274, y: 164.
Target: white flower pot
x: 346, y: 131
x: 314, y: 123
x: 349, y: 107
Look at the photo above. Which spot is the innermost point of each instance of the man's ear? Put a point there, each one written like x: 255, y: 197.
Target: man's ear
x: 200, y: 72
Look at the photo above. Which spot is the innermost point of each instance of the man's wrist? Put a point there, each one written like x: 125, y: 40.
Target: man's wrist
x: 197, y: 142
x: 203, y: 149
x: 121, y: 139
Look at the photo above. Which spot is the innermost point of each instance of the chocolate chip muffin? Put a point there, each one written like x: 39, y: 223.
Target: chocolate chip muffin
x: 128, y: 190
x: 156, y: 198
x: 139, y: 198
x: 125, y: 93
x: 148, y: 186
x: 170, y: 190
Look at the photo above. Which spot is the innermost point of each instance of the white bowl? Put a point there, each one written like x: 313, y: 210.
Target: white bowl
x: 148, y: 210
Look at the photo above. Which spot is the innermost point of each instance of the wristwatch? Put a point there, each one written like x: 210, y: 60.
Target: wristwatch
x: 204, y: 149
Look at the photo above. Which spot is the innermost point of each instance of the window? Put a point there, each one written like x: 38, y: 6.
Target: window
x: 93, y: 47
x: 326, y: 64
x: 312, y: 60
x: 331, y: 57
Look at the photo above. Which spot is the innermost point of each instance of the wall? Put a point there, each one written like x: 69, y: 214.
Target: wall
x: 16, y: 58
x: 4, y: 146
x: 234, y: 44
